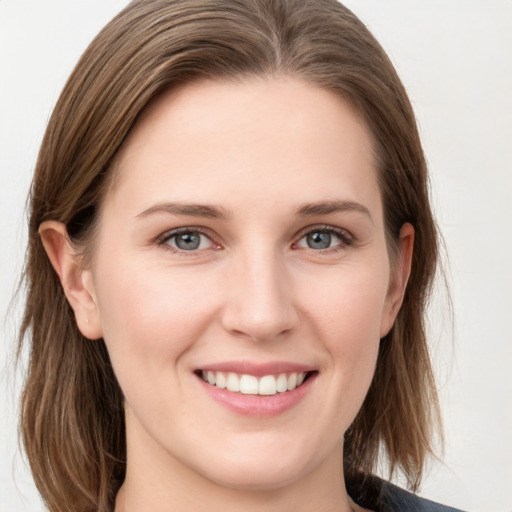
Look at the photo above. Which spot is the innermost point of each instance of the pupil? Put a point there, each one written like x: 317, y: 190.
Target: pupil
x: 188, y: 241
x: 319, y: 240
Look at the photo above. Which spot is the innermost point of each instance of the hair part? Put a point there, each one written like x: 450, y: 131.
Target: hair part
x: 72, y: 419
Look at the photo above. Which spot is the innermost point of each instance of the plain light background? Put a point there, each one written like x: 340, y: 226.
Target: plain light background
x: 455, y: 58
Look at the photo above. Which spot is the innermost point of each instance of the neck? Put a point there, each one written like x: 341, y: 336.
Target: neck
x: 138, y: 495
x: 162, y: 483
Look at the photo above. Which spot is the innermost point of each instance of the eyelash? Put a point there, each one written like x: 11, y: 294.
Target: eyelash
x: 163, y: 240
x: 346, y: 239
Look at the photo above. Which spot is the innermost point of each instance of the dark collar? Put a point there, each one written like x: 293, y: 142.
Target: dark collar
x: 380, y: 496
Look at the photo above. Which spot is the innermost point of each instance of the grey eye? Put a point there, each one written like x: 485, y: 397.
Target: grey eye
x: 324, y: 238
x: 319, y: 240
x: 189, y: 241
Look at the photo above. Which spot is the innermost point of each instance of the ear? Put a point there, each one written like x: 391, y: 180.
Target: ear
x: 400, y: 271
x: 76, y: 281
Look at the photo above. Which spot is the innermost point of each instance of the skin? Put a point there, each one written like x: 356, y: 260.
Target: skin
x: 258, y: 151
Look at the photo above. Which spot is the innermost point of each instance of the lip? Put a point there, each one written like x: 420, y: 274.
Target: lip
x: 258, y: 406
x: 257, y: 369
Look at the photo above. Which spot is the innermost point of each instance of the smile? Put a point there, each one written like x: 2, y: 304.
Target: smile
x: 257, y: 390
x: 247, y: 384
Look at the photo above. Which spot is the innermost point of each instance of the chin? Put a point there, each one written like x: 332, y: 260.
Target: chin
x: 255, y: 479
x: 258, y: 470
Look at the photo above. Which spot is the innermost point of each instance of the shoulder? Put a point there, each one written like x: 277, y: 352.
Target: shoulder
x: 397, y: 499
x: 381, y: 496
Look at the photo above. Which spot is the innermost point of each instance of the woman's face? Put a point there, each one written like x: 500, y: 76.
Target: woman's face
x: 243, y: 244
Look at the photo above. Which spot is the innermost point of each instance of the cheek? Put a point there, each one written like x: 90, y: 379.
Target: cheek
x: 347, y: 312
x: 150, y: 317
x: 349, y: 305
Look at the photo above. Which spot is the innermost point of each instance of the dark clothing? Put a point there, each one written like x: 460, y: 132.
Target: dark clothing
x: 380, y: 496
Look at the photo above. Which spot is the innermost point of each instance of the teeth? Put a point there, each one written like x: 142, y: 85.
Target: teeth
x: 292, y: 381
x: 233, y: 382
x: 251, y: 385
x: 282, y: 383
x: 268, y: 385
x: 248, y: 385
x: 220, y: 380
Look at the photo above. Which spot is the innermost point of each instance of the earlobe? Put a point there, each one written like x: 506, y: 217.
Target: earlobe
x: 400, y: 272
x: 76, y: 281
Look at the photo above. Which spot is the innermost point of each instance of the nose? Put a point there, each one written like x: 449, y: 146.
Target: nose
x: 260, y: 304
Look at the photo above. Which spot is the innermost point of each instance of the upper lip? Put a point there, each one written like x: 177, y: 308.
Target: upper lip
x: 257, y: 369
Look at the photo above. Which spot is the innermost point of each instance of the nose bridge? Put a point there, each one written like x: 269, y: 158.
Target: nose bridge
x: 260, y: 304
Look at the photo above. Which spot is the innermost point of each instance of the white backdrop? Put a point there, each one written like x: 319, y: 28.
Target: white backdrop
x: 455, y: 58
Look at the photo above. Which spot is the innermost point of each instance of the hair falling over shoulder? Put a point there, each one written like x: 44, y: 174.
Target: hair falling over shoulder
x: 72, y: 420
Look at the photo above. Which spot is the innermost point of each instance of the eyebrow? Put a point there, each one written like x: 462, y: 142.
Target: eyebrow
x: 330, y: 207
x: 218, y: 212
x: 192, y: 210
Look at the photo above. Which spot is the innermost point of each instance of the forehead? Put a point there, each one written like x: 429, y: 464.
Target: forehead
x: 271, y: 136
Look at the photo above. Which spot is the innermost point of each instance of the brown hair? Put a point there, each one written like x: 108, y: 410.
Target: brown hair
x: 72, y: 418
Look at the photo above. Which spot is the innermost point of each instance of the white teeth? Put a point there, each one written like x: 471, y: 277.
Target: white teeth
x: 220, y: 380
x: 292, y: 381
x: 233, y: 382
x: 251, y: 385
x: 267, y: 385
x: 282, y: 383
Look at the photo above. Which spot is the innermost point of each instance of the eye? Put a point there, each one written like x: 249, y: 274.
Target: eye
x: 324, y: 238
x: 186, y: 240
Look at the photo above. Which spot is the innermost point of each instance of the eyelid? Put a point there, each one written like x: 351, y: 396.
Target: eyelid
x: 162, y: 239
x: 344, y: 235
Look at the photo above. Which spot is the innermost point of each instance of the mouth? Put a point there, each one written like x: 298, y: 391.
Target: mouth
x: 248, y: 384
x: 258, y: 390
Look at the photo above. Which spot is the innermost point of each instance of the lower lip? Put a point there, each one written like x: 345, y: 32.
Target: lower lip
x: 263, y: 406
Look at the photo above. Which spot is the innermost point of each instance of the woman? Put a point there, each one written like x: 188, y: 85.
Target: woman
x: 231, y: 248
